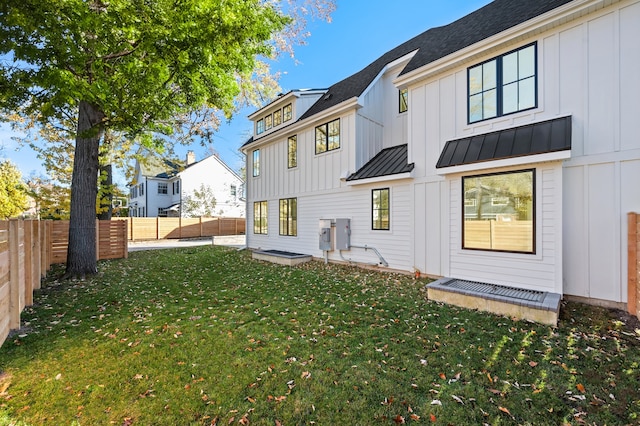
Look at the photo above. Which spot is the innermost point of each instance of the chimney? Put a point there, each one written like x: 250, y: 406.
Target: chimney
x: 191, y: 158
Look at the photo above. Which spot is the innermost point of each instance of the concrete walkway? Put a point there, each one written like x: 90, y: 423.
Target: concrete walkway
x: 236, y: 241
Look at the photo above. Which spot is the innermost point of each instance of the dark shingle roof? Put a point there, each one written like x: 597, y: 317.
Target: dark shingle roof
x: 539, y: 138
x: 389, y: 161
x: 439, y: 42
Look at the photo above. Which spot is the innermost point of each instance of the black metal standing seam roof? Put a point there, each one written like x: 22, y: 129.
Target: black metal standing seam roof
x: 538, y: 138
x: 389, y: 161
x: 437, y: 43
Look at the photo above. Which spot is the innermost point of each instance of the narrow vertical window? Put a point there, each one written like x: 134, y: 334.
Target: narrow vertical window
x: 260, y: 217
x: 260, y: 126
x: 233, y: 191
x: 292, y: 151
x: 268, y: 122
x: 403, y: 100
x: 287, y: 112
x: 380, y: 210
x: 256, y: 162
x: 289, y: 217
x: 277, y: 118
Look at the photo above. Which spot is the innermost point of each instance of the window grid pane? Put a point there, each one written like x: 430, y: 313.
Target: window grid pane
x: 287, y: 111
x: 380, y: 210
x: 292, y: 152
x: 277, y: 118
x: 404, y: 100
x: 288, y: 215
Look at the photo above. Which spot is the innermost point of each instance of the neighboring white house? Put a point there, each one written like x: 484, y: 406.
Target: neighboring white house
x: 499, y: 148
x: 161, y: 187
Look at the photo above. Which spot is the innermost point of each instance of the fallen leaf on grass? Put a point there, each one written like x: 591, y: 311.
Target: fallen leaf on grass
x: 505, y: 410
x: 399, y: 420
x: 436, y: 402
x: 532, y: 363
x: 580, y: 387
x: 432, y: 418
x: 458, y: 399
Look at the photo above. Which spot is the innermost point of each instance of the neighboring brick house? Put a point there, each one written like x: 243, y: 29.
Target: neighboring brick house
x: 160, y: 186
x: 532, y: 102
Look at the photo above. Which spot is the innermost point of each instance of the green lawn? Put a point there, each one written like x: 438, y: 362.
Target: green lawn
x: 208, y: 336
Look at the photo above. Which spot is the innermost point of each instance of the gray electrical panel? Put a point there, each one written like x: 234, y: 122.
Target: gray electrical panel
x: 325, y: 234
x: 343, y: 234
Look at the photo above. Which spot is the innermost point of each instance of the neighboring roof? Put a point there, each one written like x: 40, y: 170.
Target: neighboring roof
x: 389, y: 161
x: 439, y: 42
x: 160, y: 168
x: 539, y: 138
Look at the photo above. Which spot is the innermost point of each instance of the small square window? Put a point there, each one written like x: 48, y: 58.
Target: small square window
x: 162, y: 187
x: 328, y: 136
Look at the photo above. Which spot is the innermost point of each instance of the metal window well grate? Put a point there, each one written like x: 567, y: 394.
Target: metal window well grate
x: 499, y: 290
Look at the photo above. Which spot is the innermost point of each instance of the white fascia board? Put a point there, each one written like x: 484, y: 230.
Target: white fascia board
x: 506, y: 162
x: 390, y: 65
x: 557, y: 16
x: 379, y: 179
x: 301, y: 125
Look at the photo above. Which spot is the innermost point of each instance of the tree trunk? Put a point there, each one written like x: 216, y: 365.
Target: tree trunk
x: 81, y: 254
x: 106, y: 201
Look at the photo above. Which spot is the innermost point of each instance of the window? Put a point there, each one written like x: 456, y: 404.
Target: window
x: 287, y: 112
x: 292, y: 151
x: 277, y: 118
x: 233, y: 190
x: 176, y: 187
x: 162, y: 212
x: 380, y: 209
x: 499, y: 212
x: 289, y: 216
x: 328, y: 136
x: 268, y: 122
x: 162, y: 187
x: 404, y: 100
x: 256, y: 162
x: 142, y: 189
x: 503, y: 85
x: 260, y: 217
x: 260, y: 126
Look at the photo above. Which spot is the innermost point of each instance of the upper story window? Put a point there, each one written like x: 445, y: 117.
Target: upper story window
x: 503, y: 85
x: 277, y: 118
x: 176, y: 187
x: 260, y: 126
x: 268, y: 122
x: 287, y: 112
x: 233, y: 191
x: 256, y: 162
x: 162, y: 187
x: 403, y: 101
x: 328, y: 136
x: 292, y: 151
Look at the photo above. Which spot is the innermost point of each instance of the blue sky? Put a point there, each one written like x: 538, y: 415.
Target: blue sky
x: 360, y: 32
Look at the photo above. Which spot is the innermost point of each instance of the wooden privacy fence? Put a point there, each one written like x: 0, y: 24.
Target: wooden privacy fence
x: 498, y: 235
x: 28, y: 248
x: 157, y: 228
x: 633, y: 259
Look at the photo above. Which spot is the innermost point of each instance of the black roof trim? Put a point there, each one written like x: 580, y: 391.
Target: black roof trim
x: 389, y: 161
x: 531, y: 139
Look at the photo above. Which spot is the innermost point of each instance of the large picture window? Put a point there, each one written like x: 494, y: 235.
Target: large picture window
x: 292, y: 151
x: 380, y: 209
x: 328, y: 136
x: 499, y: 212
x: 260, y: 217
x: 503, y: 85
x: 289, y: 217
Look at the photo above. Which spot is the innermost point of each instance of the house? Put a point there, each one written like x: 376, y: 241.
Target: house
x: 161, y: 188
x: 499, y: 149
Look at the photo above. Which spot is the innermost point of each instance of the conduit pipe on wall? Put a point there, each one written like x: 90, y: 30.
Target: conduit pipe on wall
x: 366, y: 247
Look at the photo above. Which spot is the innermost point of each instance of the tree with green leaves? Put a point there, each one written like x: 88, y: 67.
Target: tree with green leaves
x: 134, y: 66
x: 200, y: 202
x: 13, y: 195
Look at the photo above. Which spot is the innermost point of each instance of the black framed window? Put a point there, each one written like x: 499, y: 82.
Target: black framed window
x: 287, y: 112
x: 380, y: 209
x: 403, y: 100
x: 277, y: 118
x: 328, y: 136
x: 256, y: 162
x: 268, y: 122
x: 503, y: 85
x: 499, y: 212
x: 260, y: 217
x: 292, y: 151
x: 289, y: 217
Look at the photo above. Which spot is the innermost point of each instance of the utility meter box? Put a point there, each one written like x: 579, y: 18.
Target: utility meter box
x: 343, y: 234
x: 325, y: 234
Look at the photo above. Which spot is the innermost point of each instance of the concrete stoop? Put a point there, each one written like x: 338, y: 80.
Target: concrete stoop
x: 281, y: 257
x: 538, y: 306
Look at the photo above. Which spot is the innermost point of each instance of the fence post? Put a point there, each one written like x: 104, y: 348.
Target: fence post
x: 125, y: 239
x: 632, y: 270
x: 28, y: 262
x: 14, y: 274
x: 37, y: 254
